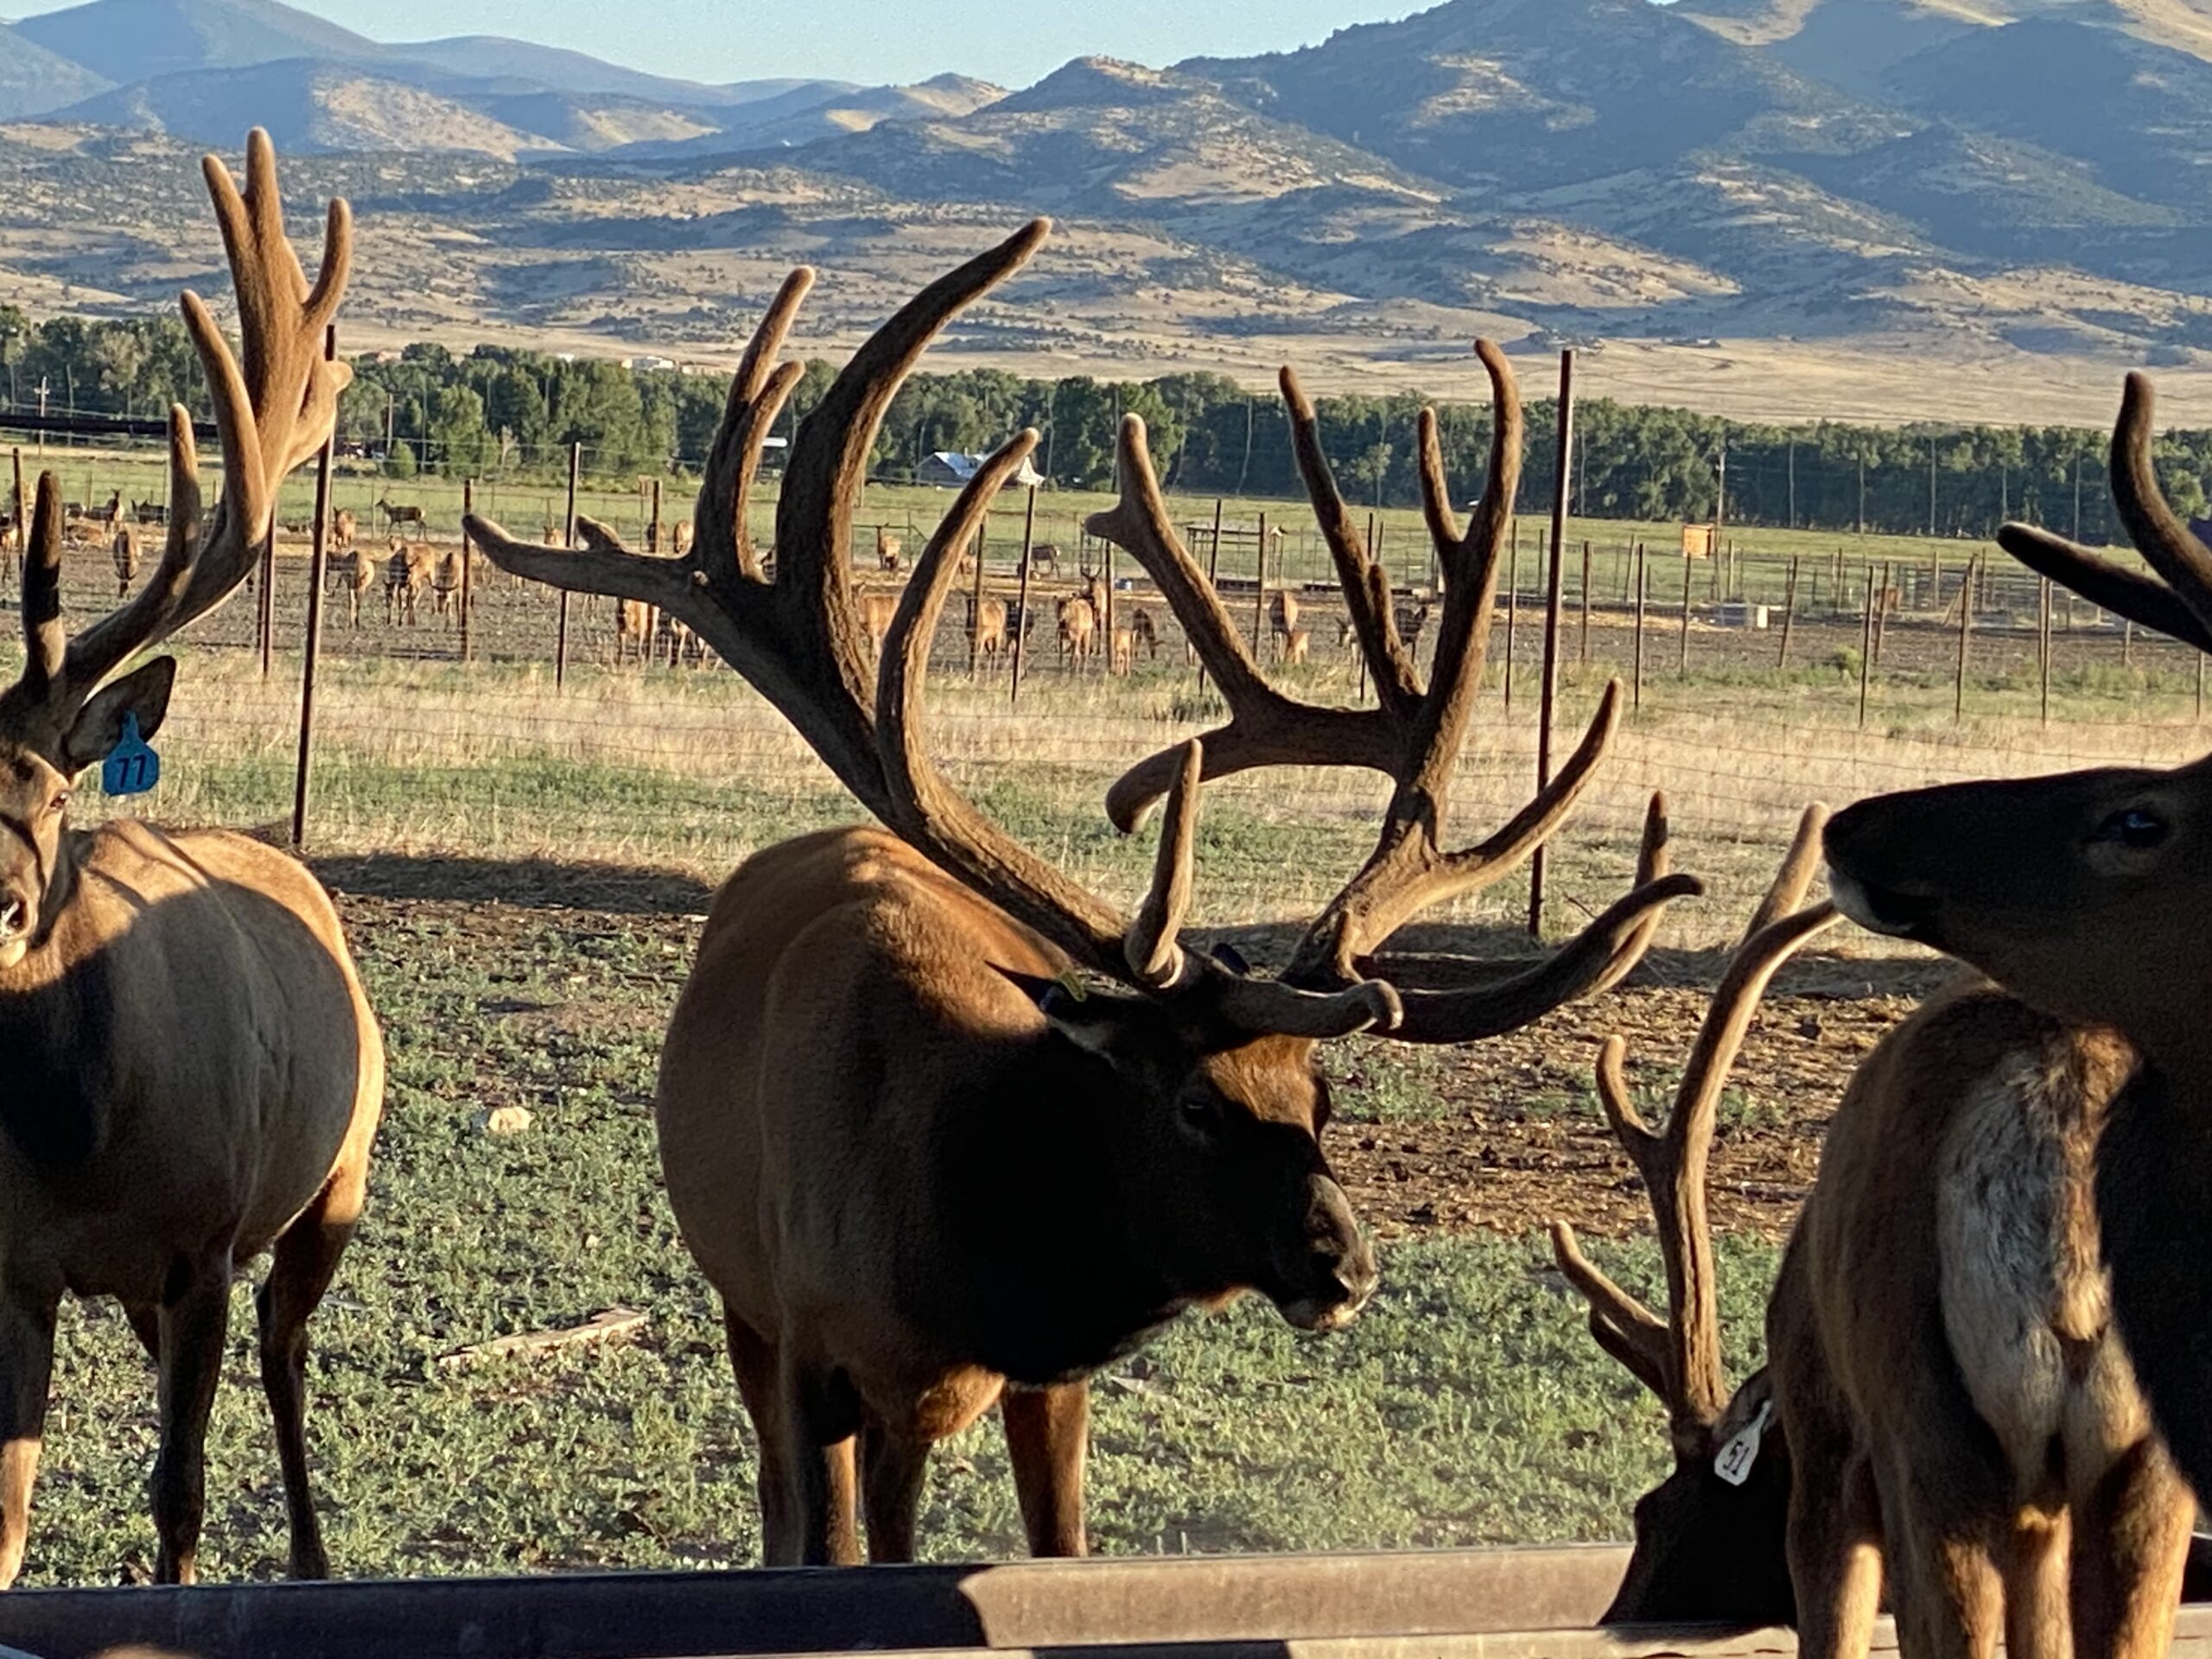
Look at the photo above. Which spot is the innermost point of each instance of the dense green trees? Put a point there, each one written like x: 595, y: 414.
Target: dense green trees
x: 500, y: 409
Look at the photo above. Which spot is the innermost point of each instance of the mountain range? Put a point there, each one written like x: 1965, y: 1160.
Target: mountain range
x: 1848, y: 208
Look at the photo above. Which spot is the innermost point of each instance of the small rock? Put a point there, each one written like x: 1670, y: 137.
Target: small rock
x: 504, y: 1119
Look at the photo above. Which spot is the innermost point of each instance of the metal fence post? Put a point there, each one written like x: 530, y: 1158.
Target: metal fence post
x: 1021, y: 630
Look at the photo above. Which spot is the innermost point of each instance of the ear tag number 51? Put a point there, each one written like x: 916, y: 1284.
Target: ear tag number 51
x: 131, y: 766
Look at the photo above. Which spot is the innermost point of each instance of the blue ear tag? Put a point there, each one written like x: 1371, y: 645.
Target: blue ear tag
x: 131, y: 767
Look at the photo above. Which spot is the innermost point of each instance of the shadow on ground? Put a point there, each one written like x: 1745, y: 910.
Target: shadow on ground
x: 530, y: 883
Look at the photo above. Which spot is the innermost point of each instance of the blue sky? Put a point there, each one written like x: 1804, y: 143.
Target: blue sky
x: 868, y: 41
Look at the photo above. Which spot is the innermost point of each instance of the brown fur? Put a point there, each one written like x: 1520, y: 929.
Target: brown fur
x: 445, y: 582
x: 1145, y: 630
x: 986, y: 627
x: 633, y: 631
x: 844, y: 1094
x: 344, y: 525
x: 123, y: 549
x: 1077, y: 624
x: 1282, y: 619
x: 890, y: 551
x: 408, y: 574
x: 355, y: 573
x: 876, y: 612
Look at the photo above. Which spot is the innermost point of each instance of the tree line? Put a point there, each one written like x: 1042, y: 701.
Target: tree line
x: 500, y: 411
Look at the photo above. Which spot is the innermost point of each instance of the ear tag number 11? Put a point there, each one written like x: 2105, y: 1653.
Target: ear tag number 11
x: 131, y: 766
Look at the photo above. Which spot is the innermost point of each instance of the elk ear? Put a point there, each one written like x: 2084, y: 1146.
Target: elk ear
x: 144, y: 692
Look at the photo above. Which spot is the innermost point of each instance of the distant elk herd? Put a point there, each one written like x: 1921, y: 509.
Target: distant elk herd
x: 946, y: 1130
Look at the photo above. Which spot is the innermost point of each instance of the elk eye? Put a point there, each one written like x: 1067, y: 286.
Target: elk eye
x: 1198, y: 1111
x: 2133, y: 827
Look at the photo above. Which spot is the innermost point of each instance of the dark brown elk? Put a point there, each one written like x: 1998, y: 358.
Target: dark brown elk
x: 986, y: 627
x: 189, y: 1074
x: 1944, y: 1390
x: 124, y: 550
x: 1146, y: 632
x: 394, y: 517
x: 921, y: 1170
x: 408, y: 574
x: 2083, y: 895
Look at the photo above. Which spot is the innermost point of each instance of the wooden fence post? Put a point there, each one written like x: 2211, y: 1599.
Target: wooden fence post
x: 1260, y: 588
x: 1562, y: 479
x: 1021, y: 633
x: 975, y: 612
x: 1788, y: 612
x: 561, y: 626
x: 1582, y: 649
x: 1643, y: 591
x: 1965, y: 630
x: 467, y: 562
x: 311, y: 648
x: 1865, y: 645
x: 1881, y: 615
x: 1682, y: 655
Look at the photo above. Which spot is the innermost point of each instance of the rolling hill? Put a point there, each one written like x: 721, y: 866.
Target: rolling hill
x: 1772, y: 206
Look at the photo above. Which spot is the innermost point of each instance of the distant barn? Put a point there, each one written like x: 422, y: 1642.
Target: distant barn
x: 949, y: 470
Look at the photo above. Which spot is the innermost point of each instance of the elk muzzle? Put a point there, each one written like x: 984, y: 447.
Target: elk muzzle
x: 1336, y: 1274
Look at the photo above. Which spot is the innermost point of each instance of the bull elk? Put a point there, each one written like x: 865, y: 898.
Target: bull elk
x: 189, y: 1073
x: 922, y: 1170
x: 2083, y: 894
x: 1944, y: 1391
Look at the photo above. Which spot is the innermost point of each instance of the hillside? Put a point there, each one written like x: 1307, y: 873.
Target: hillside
x: 1888, y: 208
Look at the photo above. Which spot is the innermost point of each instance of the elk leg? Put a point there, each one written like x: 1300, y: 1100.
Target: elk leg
x: 892, y: 1468
x: 1946, y: 1593
x: 753, y: 1356
x: 26, y: 1375
x: 821, y: 1420
x: 193, y: 1320
x: 1834, y: 1539
x: 145, y: 1318
x: 307, y: 1257
x: 1048, y: 1434
x: 2037, y: 1622
x: 2131, y: 1545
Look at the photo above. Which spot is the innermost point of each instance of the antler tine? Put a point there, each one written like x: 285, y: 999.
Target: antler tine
x: 1366, y: 585
x: 271, y: 413
x: 44, y: 639
x: 933, y: 816
x: 757, y: 395
x: 1621, y: 1325
x: 1787, y: 891
x: 924, y: 808
x: 1150, y: 946
x: 1266, y: 727
x: 2181, y: 605
x: 1673, y: 1161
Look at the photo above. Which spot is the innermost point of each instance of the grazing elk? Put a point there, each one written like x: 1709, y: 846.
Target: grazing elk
x: 1944, y: 1390
x: 394, y: 517
x: 986, y: 627
x: 189, y: 1073
x: 446, y: 575
x: 409, y: 571
x: 1146, y: 631
x: 890, y: 551
x: 1078, y: 623
x: 124, y: 550
x: 921, y: 1170
x: 2083, y: 895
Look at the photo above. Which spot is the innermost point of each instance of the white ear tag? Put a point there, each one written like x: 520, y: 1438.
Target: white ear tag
x: 1734, y: 1460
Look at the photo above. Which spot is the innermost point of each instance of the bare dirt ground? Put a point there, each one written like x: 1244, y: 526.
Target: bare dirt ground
x: 1500, y: 1136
